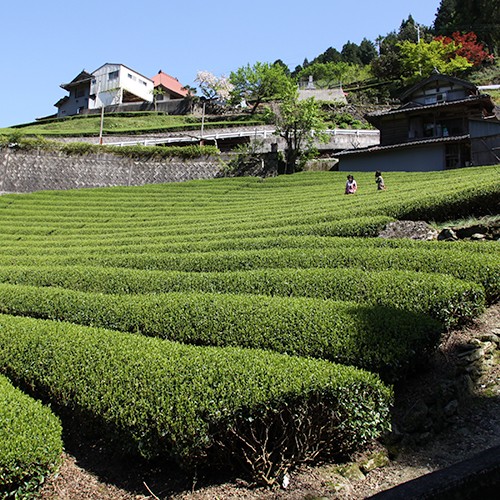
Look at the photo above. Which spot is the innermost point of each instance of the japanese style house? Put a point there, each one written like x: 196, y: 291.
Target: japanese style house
x: 443, y: 122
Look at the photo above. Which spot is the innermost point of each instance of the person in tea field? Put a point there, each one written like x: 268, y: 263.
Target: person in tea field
x: 350, y: 186
x: 380, y: 181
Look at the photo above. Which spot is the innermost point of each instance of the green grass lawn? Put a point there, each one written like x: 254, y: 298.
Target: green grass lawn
x: 132, y: 123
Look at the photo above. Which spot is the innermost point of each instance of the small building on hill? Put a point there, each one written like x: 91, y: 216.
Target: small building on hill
x: 167, y: 87
x: 120, y: 88
x: 78, y: 98
x: 334, y: 95
x: 443, y: 122
x: 117, y: 84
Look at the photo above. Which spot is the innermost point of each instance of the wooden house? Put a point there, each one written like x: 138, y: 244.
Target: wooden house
x: 120, y: 88
x: 443, y: 122
x: 78, y: 96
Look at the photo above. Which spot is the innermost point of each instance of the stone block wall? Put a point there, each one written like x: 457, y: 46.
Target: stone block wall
x: 26, y: 171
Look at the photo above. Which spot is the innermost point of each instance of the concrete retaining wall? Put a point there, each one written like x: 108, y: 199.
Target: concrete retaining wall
x: 22, y: 171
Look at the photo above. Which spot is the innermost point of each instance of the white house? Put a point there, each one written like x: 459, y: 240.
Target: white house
x: 118, y: 84
x: 110, y: 84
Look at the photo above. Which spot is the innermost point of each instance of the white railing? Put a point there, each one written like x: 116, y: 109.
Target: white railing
x: 263, y: 134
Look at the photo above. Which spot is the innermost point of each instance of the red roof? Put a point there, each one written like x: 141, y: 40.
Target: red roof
x: 170, y: 83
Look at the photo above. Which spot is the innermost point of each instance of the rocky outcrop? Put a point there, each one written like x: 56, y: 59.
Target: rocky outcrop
x: 421, y: 230
x: 415, y: 230
x: 489, y: 231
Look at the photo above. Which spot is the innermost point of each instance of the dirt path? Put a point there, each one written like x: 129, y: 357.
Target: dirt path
x: 88, y: 473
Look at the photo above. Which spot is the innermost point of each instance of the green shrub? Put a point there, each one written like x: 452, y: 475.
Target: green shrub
x: 451, y: 301
x: 197, y: 405
x: 184, y: 152
x: 85, y: 148
x: 30, y: 442
x: 476, y: 267
x: 380, y: 339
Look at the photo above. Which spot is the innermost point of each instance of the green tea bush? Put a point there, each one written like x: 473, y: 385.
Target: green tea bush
x: 30, y: 442
x: 198, y: 405
x: 478, y: 200
x: 451, y: 301
x: 177, y: 250
x: 385, y: 340
x: 476, y: 267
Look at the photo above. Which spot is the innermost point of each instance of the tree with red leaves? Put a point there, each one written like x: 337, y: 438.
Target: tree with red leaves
x: 468, y: 47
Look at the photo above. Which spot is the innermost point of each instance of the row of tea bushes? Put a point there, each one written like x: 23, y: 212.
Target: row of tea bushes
x: 173, y: 242
x: 479, y: 199
x: 380, y: 339
x: 285, y: 209
x: 30, y: 442
x: 221, y: 229
x: 360, y: 226
x: 477, y: 267
x: 176, y: 240
x: 451, y: 301
x: 197, y: 405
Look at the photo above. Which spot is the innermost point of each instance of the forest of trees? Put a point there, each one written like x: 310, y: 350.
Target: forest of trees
x: 462, y: 41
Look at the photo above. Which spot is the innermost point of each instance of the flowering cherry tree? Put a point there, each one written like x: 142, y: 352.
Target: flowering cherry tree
x: 213, y: 87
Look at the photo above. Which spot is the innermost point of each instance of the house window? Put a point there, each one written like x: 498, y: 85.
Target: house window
x: 80, y: 92
x: 113, y: 75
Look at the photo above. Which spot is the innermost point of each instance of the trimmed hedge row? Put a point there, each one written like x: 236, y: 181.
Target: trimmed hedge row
x: 173, y: 240
x: 345, y: 225
x: 197, y: 405
x: 384, y: 340
x: 185, y: 240
x: 476, y: 267
x: 30, y: 442
x: 135, y: 151
x: 447, y: 299
x: 482, y: 199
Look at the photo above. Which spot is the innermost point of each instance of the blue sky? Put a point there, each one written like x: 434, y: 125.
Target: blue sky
x: 46, y: 43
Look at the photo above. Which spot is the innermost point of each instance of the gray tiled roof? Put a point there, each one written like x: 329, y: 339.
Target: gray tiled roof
x: 415, y: 106
x: 410, y: 144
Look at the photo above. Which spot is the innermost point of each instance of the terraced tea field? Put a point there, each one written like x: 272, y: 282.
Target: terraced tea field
x: 248, y: 321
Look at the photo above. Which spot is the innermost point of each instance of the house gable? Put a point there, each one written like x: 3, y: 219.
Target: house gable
x: 83, y: 78
x: 438, y: 89
x: 78, y: 98
x: 114, y: 84
x: 438, y: 106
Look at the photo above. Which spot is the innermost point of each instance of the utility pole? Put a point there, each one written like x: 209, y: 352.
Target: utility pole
x: 202, y: 123
x: 102, y: 112
x: 102, y: 123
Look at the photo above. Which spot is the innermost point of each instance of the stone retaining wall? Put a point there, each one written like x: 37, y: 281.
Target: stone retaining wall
x: 22, y: 171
